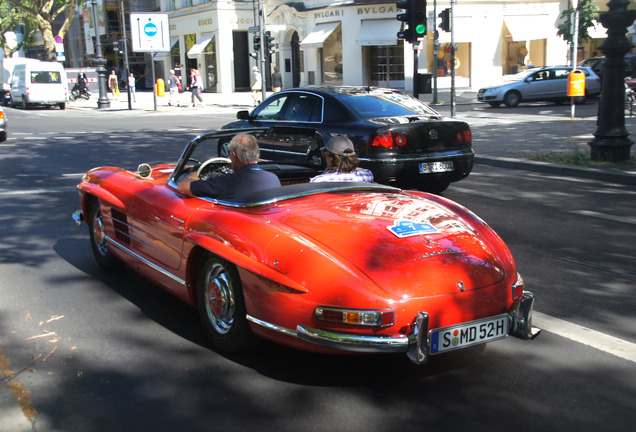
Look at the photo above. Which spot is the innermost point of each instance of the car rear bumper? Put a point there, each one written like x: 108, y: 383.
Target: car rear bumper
x: 416, y: 345
x: 404, y: 172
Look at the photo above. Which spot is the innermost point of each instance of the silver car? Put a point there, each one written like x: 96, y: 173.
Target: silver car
x: 540, y: 84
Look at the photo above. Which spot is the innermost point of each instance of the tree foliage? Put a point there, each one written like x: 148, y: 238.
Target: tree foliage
x: 10, y: 18
x: 587, y: 18
x: 44, y: 12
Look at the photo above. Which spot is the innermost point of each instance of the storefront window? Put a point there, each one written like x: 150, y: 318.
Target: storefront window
x: 209, y: 61
x: 175, y: 55
x: 386, y: 65
x: 332, y: 58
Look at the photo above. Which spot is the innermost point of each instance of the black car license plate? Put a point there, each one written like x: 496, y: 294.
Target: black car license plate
x: 436, y: 167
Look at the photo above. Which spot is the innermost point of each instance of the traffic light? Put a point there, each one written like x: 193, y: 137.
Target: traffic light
x: 270, y: 43
x: 120, y: 46
x: 257, y: 42
x: 419, y: 18
x: 445, y: 16
x: 407, y: 34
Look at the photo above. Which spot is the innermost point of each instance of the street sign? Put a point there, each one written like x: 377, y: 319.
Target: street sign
x: 150, y: 32
x: 254, y: 29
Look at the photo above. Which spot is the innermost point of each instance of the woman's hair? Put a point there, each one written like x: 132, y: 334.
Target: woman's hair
x: 343, y: 164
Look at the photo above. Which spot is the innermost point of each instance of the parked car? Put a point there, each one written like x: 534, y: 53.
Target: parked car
x: 403, y: 141
x: 540, y: 84
x: 3, y: 125
x: 322, y: 267
x: 596, y: 64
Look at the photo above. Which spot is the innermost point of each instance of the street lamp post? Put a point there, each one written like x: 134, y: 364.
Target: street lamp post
x: 103, y: 101
x: 610, y: 142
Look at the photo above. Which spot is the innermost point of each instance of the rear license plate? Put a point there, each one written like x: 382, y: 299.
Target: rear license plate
x: 435, y: 167
x: 470, y: 333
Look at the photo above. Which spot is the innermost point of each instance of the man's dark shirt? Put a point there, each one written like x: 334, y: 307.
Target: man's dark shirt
x: 250, y: 178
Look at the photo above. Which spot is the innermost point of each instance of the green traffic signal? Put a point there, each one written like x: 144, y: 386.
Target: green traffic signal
x: 420, y: 29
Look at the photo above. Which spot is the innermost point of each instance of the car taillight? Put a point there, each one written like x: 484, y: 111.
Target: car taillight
x: 380, y: 318
x: 463, y: 136
x: 517, y: 287
x: 388, y: 140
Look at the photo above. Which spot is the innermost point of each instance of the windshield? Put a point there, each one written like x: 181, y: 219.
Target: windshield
x: 389, y: 104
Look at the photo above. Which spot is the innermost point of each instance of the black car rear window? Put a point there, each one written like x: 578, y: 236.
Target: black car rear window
x: 385, y: 105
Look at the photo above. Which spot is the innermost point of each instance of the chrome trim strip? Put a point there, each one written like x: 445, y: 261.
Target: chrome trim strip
x: 271, y: 326
x: 145, y: 261
x: 421, y: 158
x: 132, y: 237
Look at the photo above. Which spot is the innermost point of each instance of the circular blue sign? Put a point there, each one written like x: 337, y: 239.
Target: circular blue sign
x: 150, y: 29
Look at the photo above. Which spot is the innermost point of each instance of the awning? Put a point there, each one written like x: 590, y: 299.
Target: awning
x: 198, y: 47
x: 529, y: 27
x: 163, y: 54
x: 379, y: 32
x: 317, y: 37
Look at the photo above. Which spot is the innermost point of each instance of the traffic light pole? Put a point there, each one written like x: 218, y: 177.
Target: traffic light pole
x: 126, y: 65
x: 261, y: 29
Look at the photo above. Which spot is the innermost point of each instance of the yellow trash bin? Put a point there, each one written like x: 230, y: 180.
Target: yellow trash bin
x: 576, y: 83
x: 161, y: 87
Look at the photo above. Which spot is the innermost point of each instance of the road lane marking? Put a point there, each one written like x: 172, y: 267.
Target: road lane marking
x: 61, y: 189
x: 600, y: 341
x: 605, y: 216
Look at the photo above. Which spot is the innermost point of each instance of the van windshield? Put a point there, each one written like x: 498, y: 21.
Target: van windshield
x: 45, y: 77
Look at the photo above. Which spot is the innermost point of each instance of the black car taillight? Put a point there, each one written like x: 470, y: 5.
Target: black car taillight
x: 387, y: 140
x: 463, y: 136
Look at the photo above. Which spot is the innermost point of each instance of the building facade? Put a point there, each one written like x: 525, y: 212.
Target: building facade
x: 353, y: 42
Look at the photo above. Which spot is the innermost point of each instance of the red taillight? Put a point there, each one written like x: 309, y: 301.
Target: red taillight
x: 400, y: 139
x: 463, y: 136
x: 382, y: 140
x: 388, y: 140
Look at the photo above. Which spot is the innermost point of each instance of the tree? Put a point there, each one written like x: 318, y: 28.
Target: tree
x: 44, y: 12
x: 587, y: 18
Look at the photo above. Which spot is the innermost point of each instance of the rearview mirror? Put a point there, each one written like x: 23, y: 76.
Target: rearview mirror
x: 243, y: 115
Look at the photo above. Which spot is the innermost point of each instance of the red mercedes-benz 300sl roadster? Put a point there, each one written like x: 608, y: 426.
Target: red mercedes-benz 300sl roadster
x: 324, y: 267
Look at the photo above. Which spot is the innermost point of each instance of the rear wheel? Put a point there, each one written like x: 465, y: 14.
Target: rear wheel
x: 222, y: 306
x: 512, y: 99
x: 25, y: 105
x: 62, y: 105
x: 99, y: 242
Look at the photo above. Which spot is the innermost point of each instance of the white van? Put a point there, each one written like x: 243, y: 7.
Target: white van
x: 7, y: 71
x: 39, y: 83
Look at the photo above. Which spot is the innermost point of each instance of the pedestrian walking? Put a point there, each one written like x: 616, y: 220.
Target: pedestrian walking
x: 132, y: 86
x: 256, y: 85
x: 113, y: 85
x: 174, y: 84
x: 277, y: 80
x: 195, y: 86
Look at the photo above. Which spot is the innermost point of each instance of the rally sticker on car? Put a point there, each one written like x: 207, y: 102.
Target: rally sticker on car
x: 406, y: 228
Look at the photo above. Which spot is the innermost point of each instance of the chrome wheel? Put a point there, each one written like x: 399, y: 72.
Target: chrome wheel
x: 222, y: 306
x: 219, y: 298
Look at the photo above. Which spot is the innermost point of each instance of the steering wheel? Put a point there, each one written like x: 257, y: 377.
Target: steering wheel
x: 213, y: 167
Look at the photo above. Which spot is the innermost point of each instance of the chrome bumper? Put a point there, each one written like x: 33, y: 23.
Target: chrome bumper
x: 416, y: 345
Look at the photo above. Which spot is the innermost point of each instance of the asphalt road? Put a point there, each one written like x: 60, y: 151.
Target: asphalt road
x: 97, y: 351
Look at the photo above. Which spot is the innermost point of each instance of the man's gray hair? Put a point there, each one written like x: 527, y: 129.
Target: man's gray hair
x: 246, y: 148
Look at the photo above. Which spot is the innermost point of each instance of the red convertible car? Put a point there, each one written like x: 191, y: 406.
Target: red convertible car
x: 323, y: 267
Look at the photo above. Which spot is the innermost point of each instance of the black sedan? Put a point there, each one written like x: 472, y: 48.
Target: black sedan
x: 403, y: 141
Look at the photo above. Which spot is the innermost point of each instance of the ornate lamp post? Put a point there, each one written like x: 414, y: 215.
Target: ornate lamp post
x: 610, y: 141
x: 103, y: 101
